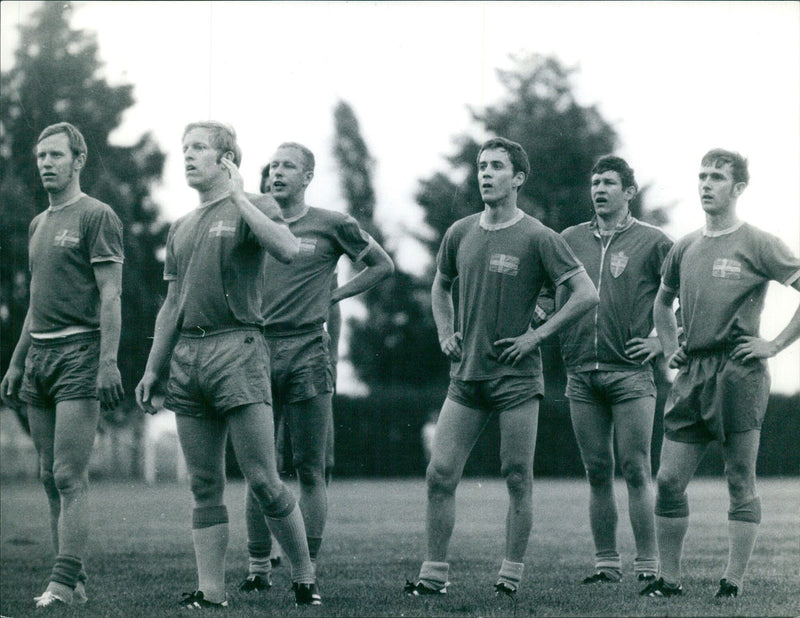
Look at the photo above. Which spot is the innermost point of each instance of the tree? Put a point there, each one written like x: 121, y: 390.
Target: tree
x: 395, y: 344
x: 57, y: 77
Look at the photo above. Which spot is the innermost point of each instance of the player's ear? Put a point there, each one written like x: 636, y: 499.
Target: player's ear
x: 228, y: 155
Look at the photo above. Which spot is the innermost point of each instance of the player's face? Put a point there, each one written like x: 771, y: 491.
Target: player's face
x: 57, y: 165
x: 201, y: 160
x: 288, y: 177
x: 608, y: 196
x: 496, y: 177
x: 717, y: 189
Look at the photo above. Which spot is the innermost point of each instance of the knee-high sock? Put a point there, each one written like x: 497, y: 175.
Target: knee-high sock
x: 210, y: 537
x: 743, y: 522
x: 286, y: 523
x: 670, y: 533
x: 259, y: 538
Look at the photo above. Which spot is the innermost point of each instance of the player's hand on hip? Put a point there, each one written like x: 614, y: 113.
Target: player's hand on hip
x: 109, y: 386
x: 678, y: 359
x: 751, y: 348
x: 237, y: 182
x: 451, y: 346
x: 517, y: 348
x: 9, y: 387
x: 643, y: 349
x: 144, y: 393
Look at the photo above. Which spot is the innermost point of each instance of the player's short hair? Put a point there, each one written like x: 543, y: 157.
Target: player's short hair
x: 613, y: 163
x: 516, y: 153
x: 717, y: 157
x: 264, y: 186
x: 221, y: 135
x: 76, y: 142
x: 308, y: 157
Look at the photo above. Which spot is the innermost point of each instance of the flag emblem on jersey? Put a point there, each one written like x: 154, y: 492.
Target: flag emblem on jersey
x: 65, y: 238
x: 222, y: 228
x: 308, y: 246
x: 726, y: 269
x: 504, y: 264
x: 618, y: 263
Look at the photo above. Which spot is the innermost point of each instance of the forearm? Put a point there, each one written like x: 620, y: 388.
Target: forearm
x: 363, y: 281
x: 163, y: 339
x: 110, y: 326
x: 276, y: 238
x: 580, y: 301
x: 666, y: 327
x: 443, y: 311
x: 23, y: 344
x: 788, y: 335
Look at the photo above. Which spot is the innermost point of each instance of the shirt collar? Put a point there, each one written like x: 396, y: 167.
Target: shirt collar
x: 725, y: 232
x: 628, y: 221
x: 491, y: 227
x: 69, y: 202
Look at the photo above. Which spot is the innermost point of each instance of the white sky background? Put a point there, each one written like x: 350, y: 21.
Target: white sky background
x: 674, y: 78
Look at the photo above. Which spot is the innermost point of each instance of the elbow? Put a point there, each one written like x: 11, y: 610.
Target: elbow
x: 592, y: 300
x: 388, y: 269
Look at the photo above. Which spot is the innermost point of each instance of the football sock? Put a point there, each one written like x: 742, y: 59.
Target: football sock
x: 258, y: 566
x: 434, y: 574
x: 210, y: 537
x: 259, y: 538
x: 66, y: 571
x: 290, y: 532
x: 645, y: 566
x: 670, y: 533
x: 741, y: 540
x: 510, y: 574
x: 610, y: 563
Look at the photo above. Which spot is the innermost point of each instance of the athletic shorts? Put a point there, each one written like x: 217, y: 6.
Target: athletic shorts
x: 610, y: 387
x: 300, y: 365
x: 715, y: 395
x: 495, y: 395
x: 211, y: 374
x: 61, y: 369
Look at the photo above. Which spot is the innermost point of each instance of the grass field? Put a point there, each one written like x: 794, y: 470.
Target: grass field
x: 141, y: 557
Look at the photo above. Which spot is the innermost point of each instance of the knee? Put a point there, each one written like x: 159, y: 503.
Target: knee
x: 518, y: 477
x: 636, y: 472
x: 440, y: 480
x: 65, y: 479
x: 741, y: 481
x: 48, y: 479
x: 671, y: 499
x: 310, y: 471
x: 207, y: 487
x: 599, y: 473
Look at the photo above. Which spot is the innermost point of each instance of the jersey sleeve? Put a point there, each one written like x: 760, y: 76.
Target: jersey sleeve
x: 659, y: 254
x: 557, y: 258
x: 353, y: 241
x: 776, y: 260
x: 170, y: 265
x: 104, y: 236
x: 446, y: 257
x: 670, y: 269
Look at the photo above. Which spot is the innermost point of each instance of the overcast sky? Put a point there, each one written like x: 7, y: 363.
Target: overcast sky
x: 674, y: 78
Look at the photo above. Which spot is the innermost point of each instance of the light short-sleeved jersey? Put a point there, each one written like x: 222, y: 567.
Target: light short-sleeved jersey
x: 64, y: 245
x: 722, y: 279
x: 500, y: 270
x: 627, y: 273
x: 297, y: 295
x: 218, y: 265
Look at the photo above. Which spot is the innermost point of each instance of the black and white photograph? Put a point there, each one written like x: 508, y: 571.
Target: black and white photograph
x: 399, y: 308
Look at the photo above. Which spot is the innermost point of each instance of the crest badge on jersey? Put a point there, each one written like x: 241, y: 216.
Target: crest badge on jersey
x: 618, y: 263
x: 504, y: 264
x: 222, y: 228
x: 66, y: 238
x: 308, y: 246
x: 725, y: 268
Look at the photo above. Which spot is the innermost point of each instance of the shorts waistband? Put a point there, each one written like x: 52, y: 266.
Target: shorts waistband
x: 52, y: 342
x: 293, y: 332
x: 197, y: 332
x: 723, y: 350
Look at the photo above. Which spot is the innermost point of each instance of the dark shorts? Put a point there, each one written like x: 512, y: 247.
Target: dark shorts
x: 496, y: 395
x: 212, y: 374
x: 606, y: 388
x: 300, y: 365
x: 713, y: 396
x: 61, y: 369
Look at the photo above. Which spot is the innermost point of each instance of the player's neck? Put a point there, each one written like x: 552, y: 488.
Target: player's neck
x: 292, y: 208
x: 719, y: 222
x: 500, y: 212
x: 70, y: 193
x: 610, y: 223
x: 214, y: 191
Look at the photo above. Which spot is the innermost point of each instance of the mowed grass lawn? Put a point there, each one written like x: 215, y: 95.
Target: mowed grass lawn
x: 141, y: 558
